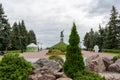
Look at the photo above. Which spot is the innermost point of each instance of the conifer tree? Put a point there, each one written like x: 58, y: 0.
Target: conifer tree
x: 87, y: 41
x: 4, y: 30
x: 101, y: 37
x: 74, y: 60
x: 31, y: 37
x: 112, y: 41
x: 15, y: 37
x: 22, y: 35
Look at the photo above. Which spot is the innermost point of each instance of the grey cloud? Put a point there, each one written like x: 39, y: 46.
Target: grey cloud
x: 48, y: 17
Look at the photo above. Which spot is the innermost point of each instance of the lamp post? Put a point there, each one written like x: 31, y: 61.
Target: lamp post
x: 38, y: 46
x: 41, y: 46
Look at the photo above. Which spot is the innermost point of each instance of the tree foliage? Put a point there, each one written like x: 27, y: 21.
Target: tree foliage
x: 20, y: 37
x: 4, y: 30
x: 108, y: 37
x: 74, y: 60
x: 31, y: 38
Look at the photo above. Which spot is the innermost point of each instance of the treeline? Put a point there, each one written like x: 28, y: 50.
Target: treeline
x: 16, y: 37
x: 107, y: 37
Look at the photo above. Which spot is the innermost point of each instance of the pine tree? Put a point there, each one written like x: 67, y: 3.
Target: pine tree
x: 112, y: 41
x: 87, y: 41
x: 4, y: 30
x: 101, y: 37
x: 15, y: 43
x: 91, y: 34
x: 74, y: 60
x: 31, y: 37
x: 22, y: 35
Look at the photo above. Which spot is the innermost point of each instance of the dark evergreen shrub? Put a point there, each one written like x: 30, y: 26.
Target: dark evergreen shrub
x: 14, y: 67
x: 74, y: 60
x: 88, y: 75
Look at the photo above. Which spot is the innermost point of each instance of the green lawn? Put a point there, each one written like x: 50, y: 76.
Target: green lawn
x: 1, y: 58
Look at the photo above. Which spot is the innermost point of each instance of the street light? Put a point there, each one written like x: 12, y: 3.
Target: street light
x: 38, y: 46
x: 41, y: 46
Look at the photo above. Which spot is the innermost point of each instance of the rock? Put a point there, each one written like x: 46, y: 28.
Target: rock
x: 60, y: 74
x: 115, y: 67
x: 47, y: 70
x: 113, y: 78
x: 107, y: 62
x: 47, y: 77
x: 95, y: 63
x: 117, y: 61
x: 35, y: 76
x: 51, y: 65
x: 64, y: 79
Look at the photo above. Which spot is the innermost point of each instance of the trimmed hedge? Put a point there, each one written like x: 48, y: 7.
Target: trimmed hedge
x: 14, y: 67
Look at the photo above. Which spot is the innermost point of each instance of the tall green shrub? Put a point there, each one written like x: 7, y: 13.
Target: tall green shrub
x: 13, y: 67
x: 74, y: 60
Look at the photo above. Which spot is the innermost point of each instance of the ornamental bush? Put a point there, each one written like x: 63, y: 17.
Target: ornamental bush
x: 116, y: 58
x: 88, y: 75
x: 14, y: 67
x: 74, y: 61
x: 54, y: 57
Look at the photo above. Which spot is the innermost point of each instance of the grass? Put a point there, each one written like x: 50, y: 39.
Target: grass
x: 59, y: 46
x: 111, y: 51
x: 14, y: 51
x: 1, y: 58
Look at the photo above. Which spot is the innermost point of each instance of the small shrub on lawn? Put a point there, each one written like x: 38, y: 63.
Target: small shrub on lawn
x: 14, y: 67
x: 88, y: 75
x: 53, y: 57
x: 116, y: 57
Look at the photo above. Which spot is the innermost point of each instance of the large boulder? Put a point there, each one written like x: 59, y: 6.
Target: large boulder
x: 95, y: 63
x: 107, y: 62
x: 46, y: 69
x: 115, y: 67
x: 51, y: 65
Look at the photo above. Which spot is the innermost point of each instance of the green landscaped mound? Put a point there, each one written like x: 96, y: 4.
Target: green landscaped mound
x: 59, y: 48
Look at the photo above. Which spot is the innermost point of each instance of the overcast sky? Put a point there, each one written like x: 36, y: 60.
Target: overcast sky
x: 49, y: 17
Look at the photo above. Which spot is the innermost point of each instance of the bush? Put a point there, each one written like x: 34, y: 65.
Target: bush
x: 111, y: 51
x: 88, y: 75
x: 53, y: 57
x: 116, y: 57
x: 55, y: 52
x: 13, y: 67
